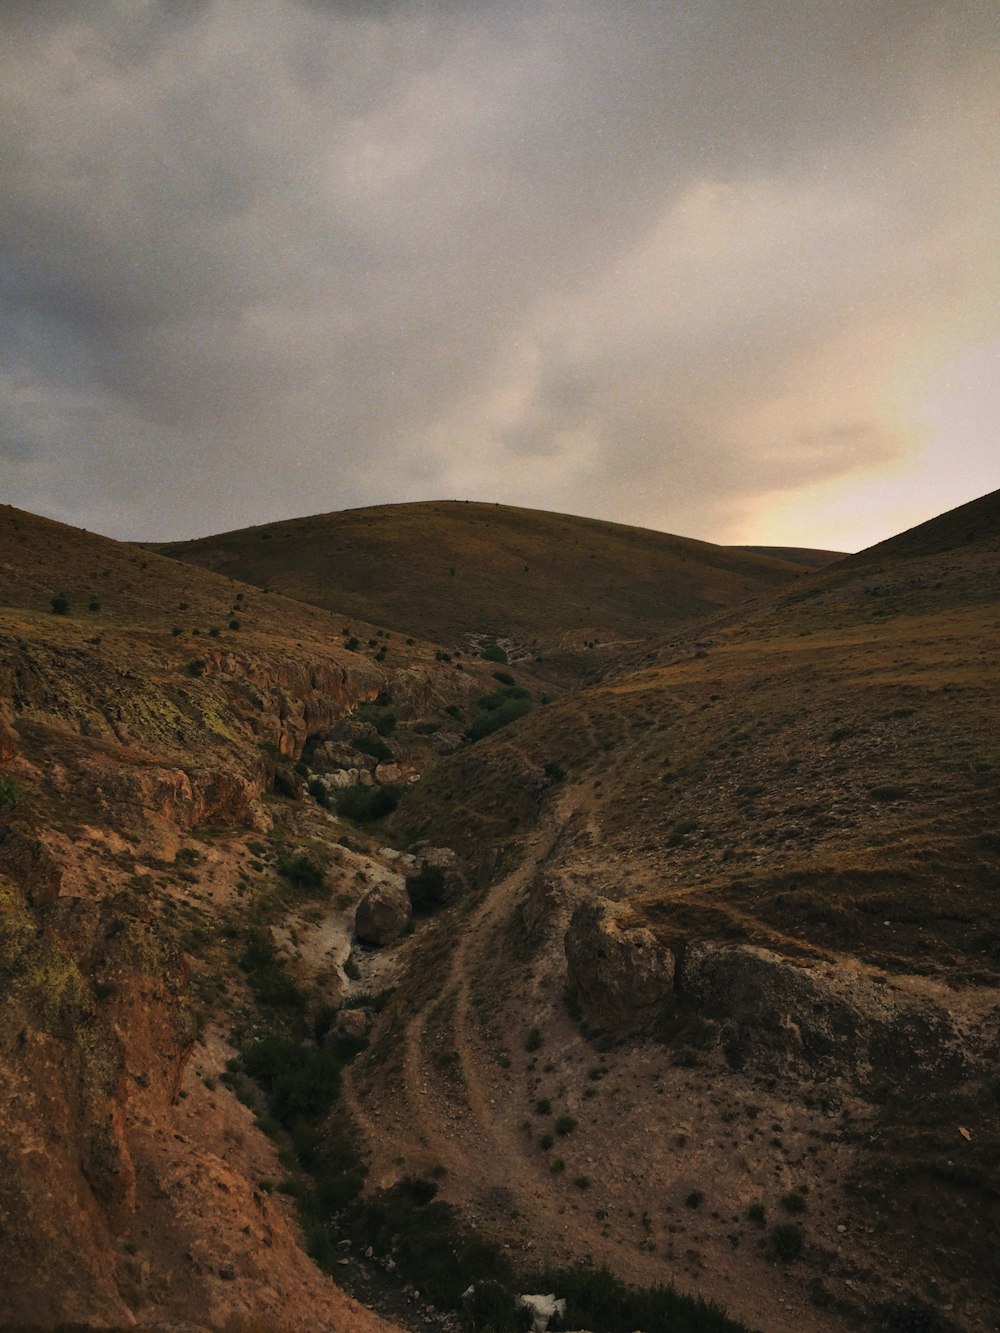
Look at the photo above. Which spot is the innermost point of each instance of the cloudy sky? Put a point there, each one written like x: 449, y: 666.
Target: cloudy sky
x: 726, y: 268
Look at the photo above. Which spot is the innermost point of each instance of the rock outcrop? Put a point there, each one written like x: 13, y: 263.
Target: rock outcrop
x: 780, y: 1014
x: 620, y: 973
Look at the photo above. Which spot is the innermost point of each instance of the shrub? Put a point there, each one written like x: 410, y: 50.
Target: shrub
x: 378, y: 716
x: 376, y: 748
x: 486, y: 723
x: 93, y: 604
x: 10, y: 793
x: 301, y: 871
x: 196, y: 667
x: 543, y: 1106
x: 499, y: 697
x: 793, y: 1203
x: 695, y: 1199
x: 234, y: 624
x: 557, y: 1166
x: 60, y: 604
x: 787, y: 1240
x: 176, y: 631
x: 566, y: 1124
x: 366, y: 804
x: 352, y: 645
x: 533, y: 1040
x: 504, y: 677
x: 757, y: 1213
x: 494, y: 653
x: 555, y: 772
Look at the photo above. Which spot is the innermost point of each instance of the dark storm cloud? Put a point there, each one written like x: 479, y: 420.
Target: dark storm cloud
x: 645, y: 261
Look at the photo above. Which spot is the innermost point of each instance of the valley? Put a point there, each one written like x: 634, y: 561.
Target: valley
x: 682, y: 960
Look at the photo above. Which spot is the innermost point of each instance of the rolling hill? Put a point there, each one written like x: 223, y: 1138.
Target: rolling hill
x: 464, y: 573
x: 330, y: 946
x: 742, y: 904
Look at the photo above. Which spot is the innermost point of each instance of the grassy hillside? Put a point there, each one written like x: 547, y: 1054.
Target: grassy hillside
x: 806, y: 556
x: 452, y: 571
x: 843, y: 729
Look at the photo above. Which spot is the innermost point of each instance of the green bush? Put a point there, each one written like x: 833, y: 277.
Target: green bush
x: 494, y: 653
x: 787, y: 1240
x: 486, y: 723
x: 598, y: 1300
x: 275, y: 991
x: 376, y: 748
x: 302, y: 872
x: 10, y: 793
x: 566, y: 1124
x: 60, y: 604
x: 378, y: 717
x: 366, y: 804
x: 196, y: 667
x: 499, y: 697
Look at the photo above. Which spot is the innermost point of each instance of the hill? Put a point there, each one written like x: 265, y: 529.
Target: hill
x: 327, y: 947
x: 151, y: 718
x: 806, y: 556
x: 465, y: 574
x: 741, y: 934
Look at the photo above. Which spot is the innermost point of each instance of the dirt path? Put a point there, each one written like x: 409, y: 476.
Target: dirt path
x: 459, y: 1109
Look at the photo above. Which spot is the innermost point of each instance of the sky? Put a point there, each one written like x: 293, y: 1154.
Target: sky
x: 724, y: 268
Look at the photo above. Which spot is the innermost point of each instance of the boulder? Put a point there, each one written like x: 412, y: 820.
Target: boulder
x: 353, y: 1024
x: 621, y: 974
x: 383, y: 914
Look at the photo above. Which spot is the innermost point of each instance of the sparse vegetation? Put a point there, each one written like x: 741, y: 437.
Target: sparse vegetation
x: 787, y: 1240
x: 365, y: 805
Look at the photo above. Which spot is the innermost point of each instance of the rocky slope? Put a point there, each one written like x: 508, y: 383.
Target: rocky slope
x: 737, y: 932
x: 693, y: 973
x: 151, y: 719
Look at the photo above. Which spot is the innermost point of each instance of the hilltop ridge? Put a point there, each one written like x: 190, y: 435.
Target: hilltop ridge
x: 550, y: 585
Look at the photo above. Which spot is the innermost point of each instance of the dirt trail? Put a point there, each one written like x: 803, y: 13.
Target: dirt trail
x: 456, y: 1110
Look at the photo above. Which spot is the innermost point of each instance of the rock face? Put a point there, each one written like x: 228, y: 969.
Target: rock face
x: 621, y: 974
x: 382, y: 915
x: 782, y: 1015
